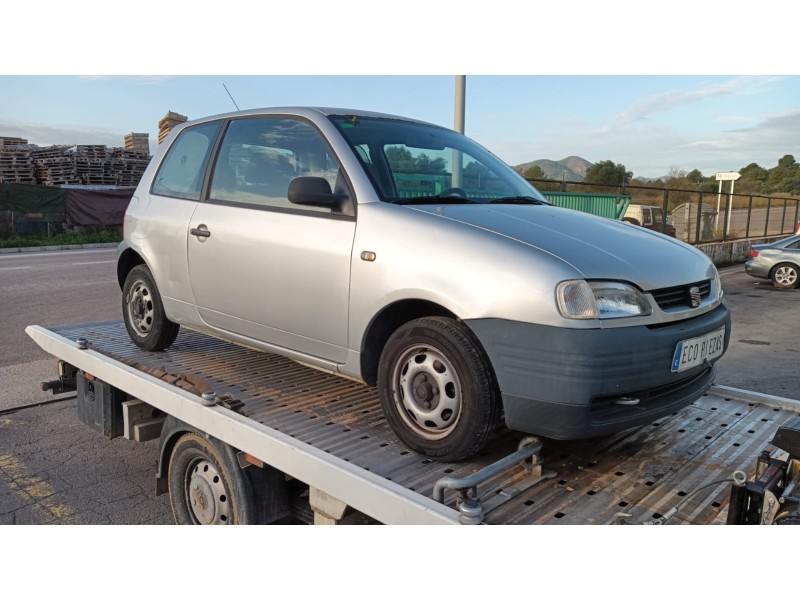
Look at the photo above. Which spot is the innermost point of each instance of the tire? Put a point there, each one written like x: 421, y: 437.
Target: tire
x: 143, y: 312
x: 785, y: 276
x: 205, y: 488
x: 438, y: 390
x: 631, y: 220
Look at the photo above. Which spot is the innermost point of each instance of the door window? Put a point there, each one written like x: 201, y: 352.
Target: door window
x: 259, y: 157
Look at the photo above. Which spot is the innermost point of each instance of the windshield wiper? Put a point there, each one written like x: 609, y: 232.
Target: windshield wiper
x: 433, y: 200
x: 518, y: 200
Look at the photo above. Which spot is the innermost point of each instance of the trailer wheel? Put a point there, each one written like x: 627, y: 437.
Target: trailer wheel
x: 204, y: 488
x: 143, y: 312
x: 437, y: 389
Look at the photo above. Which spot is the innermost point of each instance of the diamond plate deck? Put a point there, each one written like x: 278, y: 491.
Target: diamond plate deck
x: 680, y: 461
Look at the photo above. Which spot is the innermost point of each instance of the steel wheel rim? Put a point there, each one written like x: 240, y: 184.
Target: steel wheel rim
x: 206, y: 496
x: 140, y: 308
x: 786, y: 276
x: 427, y: 391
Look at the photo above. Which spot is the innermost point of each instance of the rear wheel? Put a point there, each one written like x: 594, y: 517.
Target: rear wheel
x: 143, y: 312
x: 785, y: 276
x: 437, y: 389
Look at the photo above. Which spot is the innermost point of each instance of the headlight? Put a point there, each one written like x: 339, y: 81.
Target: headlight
x: 718, y: 284
x: 579, y: 299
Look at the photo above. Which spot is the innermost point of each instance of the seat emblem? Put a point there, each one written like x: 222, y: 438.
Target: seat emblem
x: 694, y: 296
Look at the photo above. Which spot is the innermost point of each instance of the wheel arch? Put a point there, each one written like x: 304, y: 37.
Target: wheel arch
x: 783, y: 263
x: 171, y: 430
x: 386, y: 322
x: 127, y: 261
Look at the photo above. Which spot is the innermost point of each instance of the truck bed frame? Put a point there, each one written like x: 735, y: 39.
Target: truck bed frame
x: 330, y: 434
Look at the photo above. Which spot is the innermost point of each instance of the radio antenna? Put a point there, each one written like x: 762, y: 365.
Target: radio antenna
x: 231, y: 97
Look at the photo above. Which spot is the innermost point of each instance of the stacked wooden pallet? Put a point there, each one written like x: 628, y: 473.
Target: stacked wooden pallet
x: 61, y: 165
x: 128, y: 166
x: 58, y: 170
x: 16, y: 165
x: 90, y: 165
x: 170, y: 120
x: 6, y: 141
x: 139, y: 142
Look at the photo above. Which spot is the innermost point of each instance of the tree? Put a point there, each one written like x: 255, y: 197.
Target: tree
x: 786, y: 176
x: 533, y: 172
x: 695, y: 176
x: 753, y: 172
x: 402, y: 161
x: 676, y: 173
x: 608, y: 173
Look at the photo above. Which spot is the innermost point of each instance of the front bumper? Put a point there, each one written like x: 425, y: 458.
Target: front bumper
x: 567, y: 383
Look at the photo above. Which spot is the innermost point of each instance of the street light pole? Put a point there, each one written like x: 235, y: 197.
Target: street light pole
x: 461, y: 87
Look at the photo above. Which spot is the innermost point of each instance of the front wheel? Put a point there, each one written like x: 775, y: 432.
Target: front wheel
x: 143, y: 312
x: 785, y: 276
x: 437, y: 389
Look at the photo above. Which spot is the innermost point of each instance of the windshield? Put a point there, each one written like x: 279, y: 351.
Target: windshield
x: 415, y: 163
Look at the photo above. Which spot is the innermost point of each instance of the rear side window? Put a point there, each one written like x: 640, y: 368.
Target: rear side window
x: 181, y: 172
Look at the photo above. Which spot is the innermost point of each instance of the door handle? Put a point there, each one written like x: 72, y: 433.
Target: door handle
x: 196, y: 231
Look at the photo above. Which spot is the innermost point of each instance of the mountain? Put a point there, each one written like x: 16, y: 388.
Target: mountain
x: 572, y: 168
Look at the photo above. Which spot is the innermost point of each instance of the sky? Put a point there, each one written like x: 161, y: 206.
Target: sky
x: 651, y: 124
x: 655, y: 95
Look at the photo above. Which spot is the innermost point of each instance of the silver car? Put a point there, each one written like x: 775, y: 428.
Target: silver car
x: 778, y: 261
x: 405, y: 255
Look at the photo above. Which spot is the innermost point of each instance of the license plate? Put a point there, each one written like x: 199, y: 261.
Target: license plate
x: 696, y: 351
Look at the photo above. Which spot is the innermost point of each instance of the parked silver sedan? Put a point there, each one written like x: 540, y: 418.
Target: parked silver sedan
x: 778, y: 261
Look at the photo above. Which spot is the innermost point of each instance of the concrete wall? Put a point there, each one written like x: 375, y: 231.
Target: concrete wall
x: 729, y: 253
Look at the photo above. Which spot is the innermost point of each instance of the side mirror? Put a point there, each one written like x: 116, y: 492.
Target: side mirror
x: 314, y: 191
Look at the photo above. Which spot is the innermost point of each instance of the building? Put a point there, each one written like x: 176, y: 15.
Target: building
x: 170, y: 120
x: 138, y: 142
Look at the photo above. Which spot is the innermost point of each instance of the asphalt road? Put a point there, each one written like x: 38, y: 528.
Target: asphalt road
x: 54, y: 469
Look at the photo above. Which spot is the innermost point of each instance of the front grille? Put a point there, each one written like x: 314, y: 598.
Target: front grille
x: 678, y: 296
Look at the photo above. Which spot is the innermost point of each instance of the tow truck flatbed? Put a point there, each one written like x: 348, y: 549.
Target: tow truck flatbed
x: 330, y: 434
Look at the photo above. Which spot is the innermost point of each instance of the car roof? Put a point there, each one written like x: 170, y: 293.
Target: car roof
x: 307, y: 111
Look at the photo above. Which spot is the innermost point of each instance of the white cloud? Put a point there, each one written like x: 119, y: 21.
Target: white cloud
x: 663, y: 102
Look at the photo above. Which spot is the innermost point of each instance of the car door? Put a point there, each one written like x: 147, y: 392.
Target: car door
x: 260, y: 266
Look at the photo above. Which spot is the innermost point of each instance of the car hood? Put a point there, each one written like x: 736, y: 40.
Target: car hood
x: 598, y: 248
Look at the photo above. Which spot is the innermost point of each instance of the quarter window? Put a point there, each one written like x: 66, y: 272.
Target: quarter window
x: 183, y: 168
